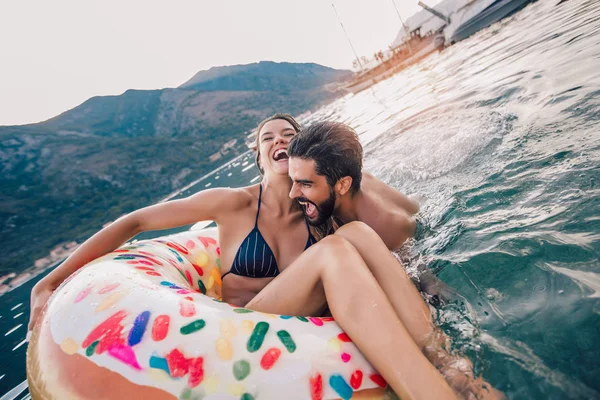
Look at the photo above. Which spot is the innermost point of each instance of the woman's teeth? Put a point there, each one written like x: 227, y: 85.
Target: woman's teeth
x: 280, y: 154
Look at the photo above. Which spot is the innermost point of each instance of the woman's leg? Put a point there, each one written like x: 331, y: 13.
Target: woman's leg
x: 393, y: 279
x: 412, y: 309
x: 332, y: 272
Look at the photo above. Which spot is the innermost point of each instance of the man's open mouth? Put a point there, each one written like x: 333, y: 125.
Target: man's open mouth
x: 280, y: 154
x: 310, y: 209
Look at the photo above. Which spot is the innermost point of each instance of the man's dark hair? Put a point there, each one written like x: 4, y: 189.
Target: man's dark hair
x: 335, y: 149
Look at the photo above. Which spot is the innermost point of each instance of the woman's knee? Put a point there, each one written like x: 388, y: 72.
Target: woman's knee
x: 336, y: 246
x: 339, y: 254
x: 356, y: 230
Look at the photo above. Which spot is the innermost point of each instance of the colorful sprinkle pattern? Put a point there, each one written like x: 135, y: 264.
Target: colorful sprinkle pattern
x: 152, y: 312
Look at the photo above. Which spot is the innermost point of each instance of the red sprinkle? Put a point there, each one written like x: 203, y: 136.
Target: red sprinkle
x: 83, y: 294
x: 218, y: 251
x: 186, y: 308
x: 316, y: 387
x: 145, y: 262
x: 206, y: 240
x: 346, y: 357
x: 150, y: 257
x: 316, y: 321
x: 121, y: 251
x: 356, y: 379
x: 327, y: 319
x: 189, y: 277
x: 160, y: 328
x: 196, y: 372
x: 152, y: 273
x: 144, y: 268
x: 378, y: 379
x: 198, y: 269
x: 344, y: 337
x: 108, y: 288
x: 270, y: 358
x: 133, y: 262
x: 190, y: 244
x: 178, y: 364
x: 110, y: 326
x: 178, y: 247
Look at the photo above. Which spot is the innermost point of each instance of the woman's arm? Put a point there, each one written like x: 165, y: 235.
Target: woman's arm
x: 206, y: 205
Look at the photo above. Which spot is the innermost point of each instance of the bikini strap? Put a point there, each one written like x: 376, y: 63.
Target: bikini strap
x: 258, y: 211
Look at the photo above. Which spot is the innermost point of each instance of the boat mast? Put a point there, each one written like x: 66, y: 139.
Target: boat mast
x: 405, y: 28
x: 347, y: 37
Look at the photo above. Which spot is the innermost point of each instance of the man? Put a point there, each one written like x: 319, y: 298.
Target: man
x: 325, y: 164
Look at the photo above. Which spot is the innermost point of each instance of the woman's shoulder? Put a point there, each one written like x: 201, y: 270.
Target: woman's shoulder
x: 231, y: 198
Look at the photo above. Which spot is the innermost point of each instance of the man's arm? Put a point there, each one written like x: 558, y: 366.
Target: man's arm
x: 399, y: 227
x: 370, y: 183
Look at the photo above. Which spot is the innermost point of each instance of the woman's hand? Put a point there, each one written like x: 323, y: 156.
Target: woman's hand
x: 40, y: 294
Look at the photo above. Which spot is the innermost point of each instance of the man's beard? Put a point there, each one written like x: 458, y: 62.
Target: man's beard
x: 324, y: 210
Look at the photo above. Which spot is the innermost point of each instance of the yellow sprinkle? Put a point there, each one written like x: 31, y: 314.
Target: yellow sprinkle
x: 69, y: 346
x: 334, y: 345
x: 210, y: 282
x: 214, y: 273
x: 202, y: 259
x: 110, y: 300
x: 267, y: 315
x: 236, y: 389
x: 211, y: 384
x: 224, y: 349
x: 158, y: 375
x: 247, y: 326
x: 227, y: 328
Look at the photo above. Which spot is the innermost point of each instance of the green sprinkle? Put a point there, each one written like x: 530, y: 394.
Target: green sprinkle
x: 242, y: 310
x: 247, y: 396
x: 186, y: 394
x: 257, y: 337
x: 219, y: 263
x: 90, y: 350
x: 302, y: 319
x: 241, y: 369
x: 189, y: 394
x: 201, y: 286
x: 192, y: 327
x: 287, y: 340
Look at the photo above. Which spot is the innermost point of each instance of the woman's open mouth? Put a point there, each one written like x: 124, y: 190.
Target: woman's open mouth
x: 280, y: 155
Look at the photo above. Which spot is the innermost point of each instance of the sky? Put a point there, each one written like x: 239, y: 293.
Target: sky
x: 56, y: 54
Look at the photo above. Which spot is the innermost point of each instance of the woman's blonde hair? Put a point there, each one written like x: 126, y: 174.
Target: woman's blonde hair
x: 285, y: 117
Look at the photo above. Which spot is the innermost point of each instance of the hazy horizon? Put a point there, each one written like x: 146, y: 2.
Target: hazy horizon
x: 63, y: 53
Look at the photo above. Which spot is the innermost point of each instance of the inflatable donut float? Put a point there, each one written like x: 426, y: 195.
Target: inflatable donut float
x: 147, y: 322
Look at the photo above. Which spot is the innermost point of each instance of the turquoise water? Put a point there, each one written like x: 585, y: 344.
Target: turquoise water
x: 499, y: 137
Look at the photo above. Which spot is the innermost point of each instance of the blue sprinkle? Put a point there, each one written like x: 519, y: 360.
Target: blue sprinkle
x: 285, y: 316
x: 170, y: 285
x: 139, y: 327
x: 159, y: 363
x: 340, y: 386
x: 176, y: 255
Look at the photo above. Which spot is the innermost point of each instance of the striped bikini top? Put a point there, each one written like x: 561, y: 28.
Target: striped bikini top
x: 255, y: 258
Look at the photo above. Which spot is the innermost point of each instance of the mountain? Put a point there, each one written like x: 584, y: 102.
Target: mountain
x: 64, y: 177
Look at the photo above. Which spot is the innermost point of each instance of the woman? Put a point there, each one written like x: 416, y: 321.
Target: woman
x: 390, y: 328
